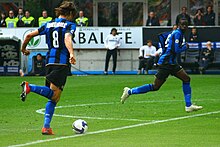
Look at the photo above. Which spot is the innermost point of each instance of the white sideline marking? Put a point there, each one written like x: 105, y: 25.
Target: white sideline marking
x: 115, y: 129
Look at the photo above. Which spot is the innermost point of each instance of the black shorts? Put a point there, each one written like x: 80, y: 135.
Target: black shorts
x: 57, y: 75
x: 165, y: 70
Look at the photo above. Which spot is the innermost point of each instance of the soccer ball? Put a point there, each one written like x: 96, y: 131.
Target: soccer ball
x: 80, y: 126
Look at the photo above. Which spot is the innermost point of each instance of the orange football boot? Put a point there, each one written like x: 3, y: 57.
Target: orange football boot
x: 47, y: 131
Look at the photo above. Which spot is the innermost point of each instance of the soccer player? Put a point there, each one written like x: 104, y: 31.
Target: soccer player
x: 59, y: 33
x: 174, y: 44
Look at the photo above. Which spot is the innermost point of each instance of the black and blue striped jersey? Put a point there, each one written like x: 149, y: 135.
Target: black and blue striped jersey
x: 55, y: 34
x: 173, y: 44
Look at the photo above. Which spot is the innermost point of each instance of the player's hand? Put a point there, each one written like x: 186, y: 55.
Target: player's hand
x: 25, y: 52
x: 72, y: 59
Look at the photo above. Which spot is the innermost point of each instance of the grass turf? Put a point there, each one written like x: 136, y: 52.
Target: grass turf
x: 21, y: 124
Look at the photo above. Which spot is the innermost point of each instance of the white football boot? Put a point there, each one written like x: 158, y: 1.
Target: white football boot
x: 193, y: 108
x: 125, y: 95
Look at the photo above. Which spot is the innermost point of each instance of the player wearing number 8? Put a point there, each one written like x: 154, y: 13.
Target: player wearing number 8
x: 59, y: 33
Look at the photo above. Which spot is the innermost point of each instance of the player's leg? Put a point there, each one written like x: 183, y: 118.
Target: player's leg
x: 54, y: 74
x: 52, y: 93
x: 49, y: 110
x: 56, y: 81
x: 182, y: 75
x: 142, y: 89
x: 147, y: 87
x: 41, y: 90
x: 107, y: 58
x: 114, y: 58
x: 161, y: 77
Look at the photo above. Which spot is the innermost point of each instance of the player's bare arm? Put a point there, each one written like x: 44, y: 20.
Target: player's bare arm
x: 26, y: 40
x: 69, y: 46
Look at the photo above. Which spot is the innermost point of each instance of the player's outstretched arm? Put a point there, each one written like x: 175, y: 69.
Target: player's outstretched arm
x: 26, y: 40
x: 69, y: 46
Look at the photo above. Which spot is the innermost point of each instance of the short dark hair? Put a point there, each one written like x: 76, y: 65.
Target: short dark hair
x: 149, y: 41
x: 184, y: 7
x: 209, y: 6
x: 39, y: 54
x: 27, y: 11
x: 3, y: 13
x: 113, y: 29
x: 200, y: 9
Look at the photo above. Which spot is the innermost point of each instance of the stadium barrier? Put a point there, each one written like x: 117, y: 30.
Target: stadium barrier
x: 191, y: 57
x: 90, y: 52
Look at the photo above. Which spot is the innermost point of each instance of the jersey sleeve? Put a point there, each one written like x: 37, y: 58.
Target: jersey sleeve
x: 42, y: 29
x: 179, y: 47
x: 71, y: 29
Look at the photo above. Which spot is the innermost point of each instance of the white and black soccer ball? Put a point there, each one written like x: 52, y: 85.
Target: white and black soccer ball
x: 80, y: 126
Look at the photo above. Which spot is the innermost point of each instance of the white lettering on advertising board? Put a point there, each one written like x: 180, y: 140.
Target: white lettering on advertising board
x: 85, y: 37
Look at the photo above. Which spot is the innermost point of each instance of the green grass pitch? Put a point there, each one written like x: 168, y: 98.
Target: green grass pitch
x: 152, y: 119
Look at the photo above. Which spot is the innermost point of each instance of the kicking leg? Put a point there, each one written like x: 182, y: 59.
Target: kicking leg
x: 53, y: 93
x: 41, y: 90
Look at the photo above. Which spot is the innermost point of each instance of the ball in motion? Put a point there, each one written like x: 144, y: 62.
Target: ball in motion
x: 80, y: 126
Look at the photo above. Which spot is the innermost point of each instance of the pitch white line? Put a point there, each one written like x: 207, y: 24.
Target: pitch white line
x: 41, y: 111
x: 115, y: 129
x: 101, y: 118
